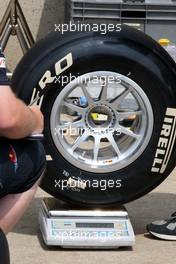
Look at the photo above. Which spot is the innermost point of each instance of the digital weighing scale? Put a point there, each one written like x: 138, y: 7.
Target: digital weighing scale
x: 69, y: 227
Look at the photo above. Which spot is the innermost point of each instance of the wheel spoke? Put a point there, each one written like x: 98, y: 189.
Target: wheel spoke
x: 119, y: 99
x: 79, y: 140
x: 74, y: 107
x: 114, y: 144
x: 104, y: 91
x: 87, y: 94
x: 97, y: 141
x: 128, y: 132
x: 129, y: 114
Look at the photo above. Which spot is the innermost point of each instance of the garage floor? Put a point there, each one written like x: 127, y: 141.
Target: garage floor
x: 27, y: 247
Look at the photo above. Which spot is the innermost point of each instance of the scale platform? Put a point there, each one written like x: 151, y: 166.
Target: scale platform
x: 69, y: 227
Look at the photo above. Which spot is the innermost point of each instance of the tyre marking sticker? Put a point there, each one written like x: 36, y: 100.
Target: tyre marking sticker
x: 166, y: 142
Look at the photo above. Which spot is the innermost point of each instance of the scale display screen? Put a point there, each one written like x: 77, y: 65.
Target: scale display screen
x: 95, y: 225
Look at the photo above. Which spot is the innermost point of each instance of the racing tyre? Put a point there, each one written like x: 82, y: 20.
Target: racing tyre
x: 109, y: 103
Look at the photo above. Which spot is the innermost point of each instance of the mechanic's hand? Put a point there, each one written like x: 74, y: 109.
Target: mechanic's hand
x: 39, y: 118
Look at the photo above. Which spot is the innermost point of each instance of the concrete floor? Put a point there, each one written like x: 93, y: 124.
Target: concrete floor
x: 26, y: 245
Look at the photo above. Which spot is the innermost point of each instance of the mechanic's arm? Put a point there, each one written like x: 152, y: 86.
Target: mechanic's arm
x: 16, y: 119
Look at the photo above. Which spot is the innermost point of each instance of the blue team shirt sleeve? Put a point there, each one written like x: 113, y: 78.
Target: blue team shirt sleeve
x: 3, y: 72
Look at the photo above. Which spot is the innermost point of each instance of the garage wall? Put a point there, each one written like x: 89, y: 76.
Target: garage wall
x: 41, y: 16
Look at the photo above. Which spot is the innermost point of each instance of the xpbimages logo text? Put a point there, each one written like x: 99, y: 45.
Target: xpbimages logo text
x: 78, y: 183
x: 102, y: 28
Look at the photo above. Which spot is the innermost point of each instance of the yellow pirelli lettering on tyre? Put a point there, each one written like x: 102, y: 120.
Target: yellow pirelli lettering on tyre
x: 166, y: 142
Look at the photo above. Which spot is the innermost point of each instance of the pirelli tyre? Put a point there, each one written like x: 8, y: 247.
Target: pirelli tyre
x: 109, y: 103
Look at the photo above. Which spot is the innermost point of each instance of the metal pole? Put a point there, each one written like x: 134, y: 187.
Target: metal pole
x: 14, y: 23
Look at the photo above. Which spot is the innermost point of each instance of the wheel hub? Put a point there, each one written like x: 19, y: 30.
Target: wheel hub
x: 100, y: 117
